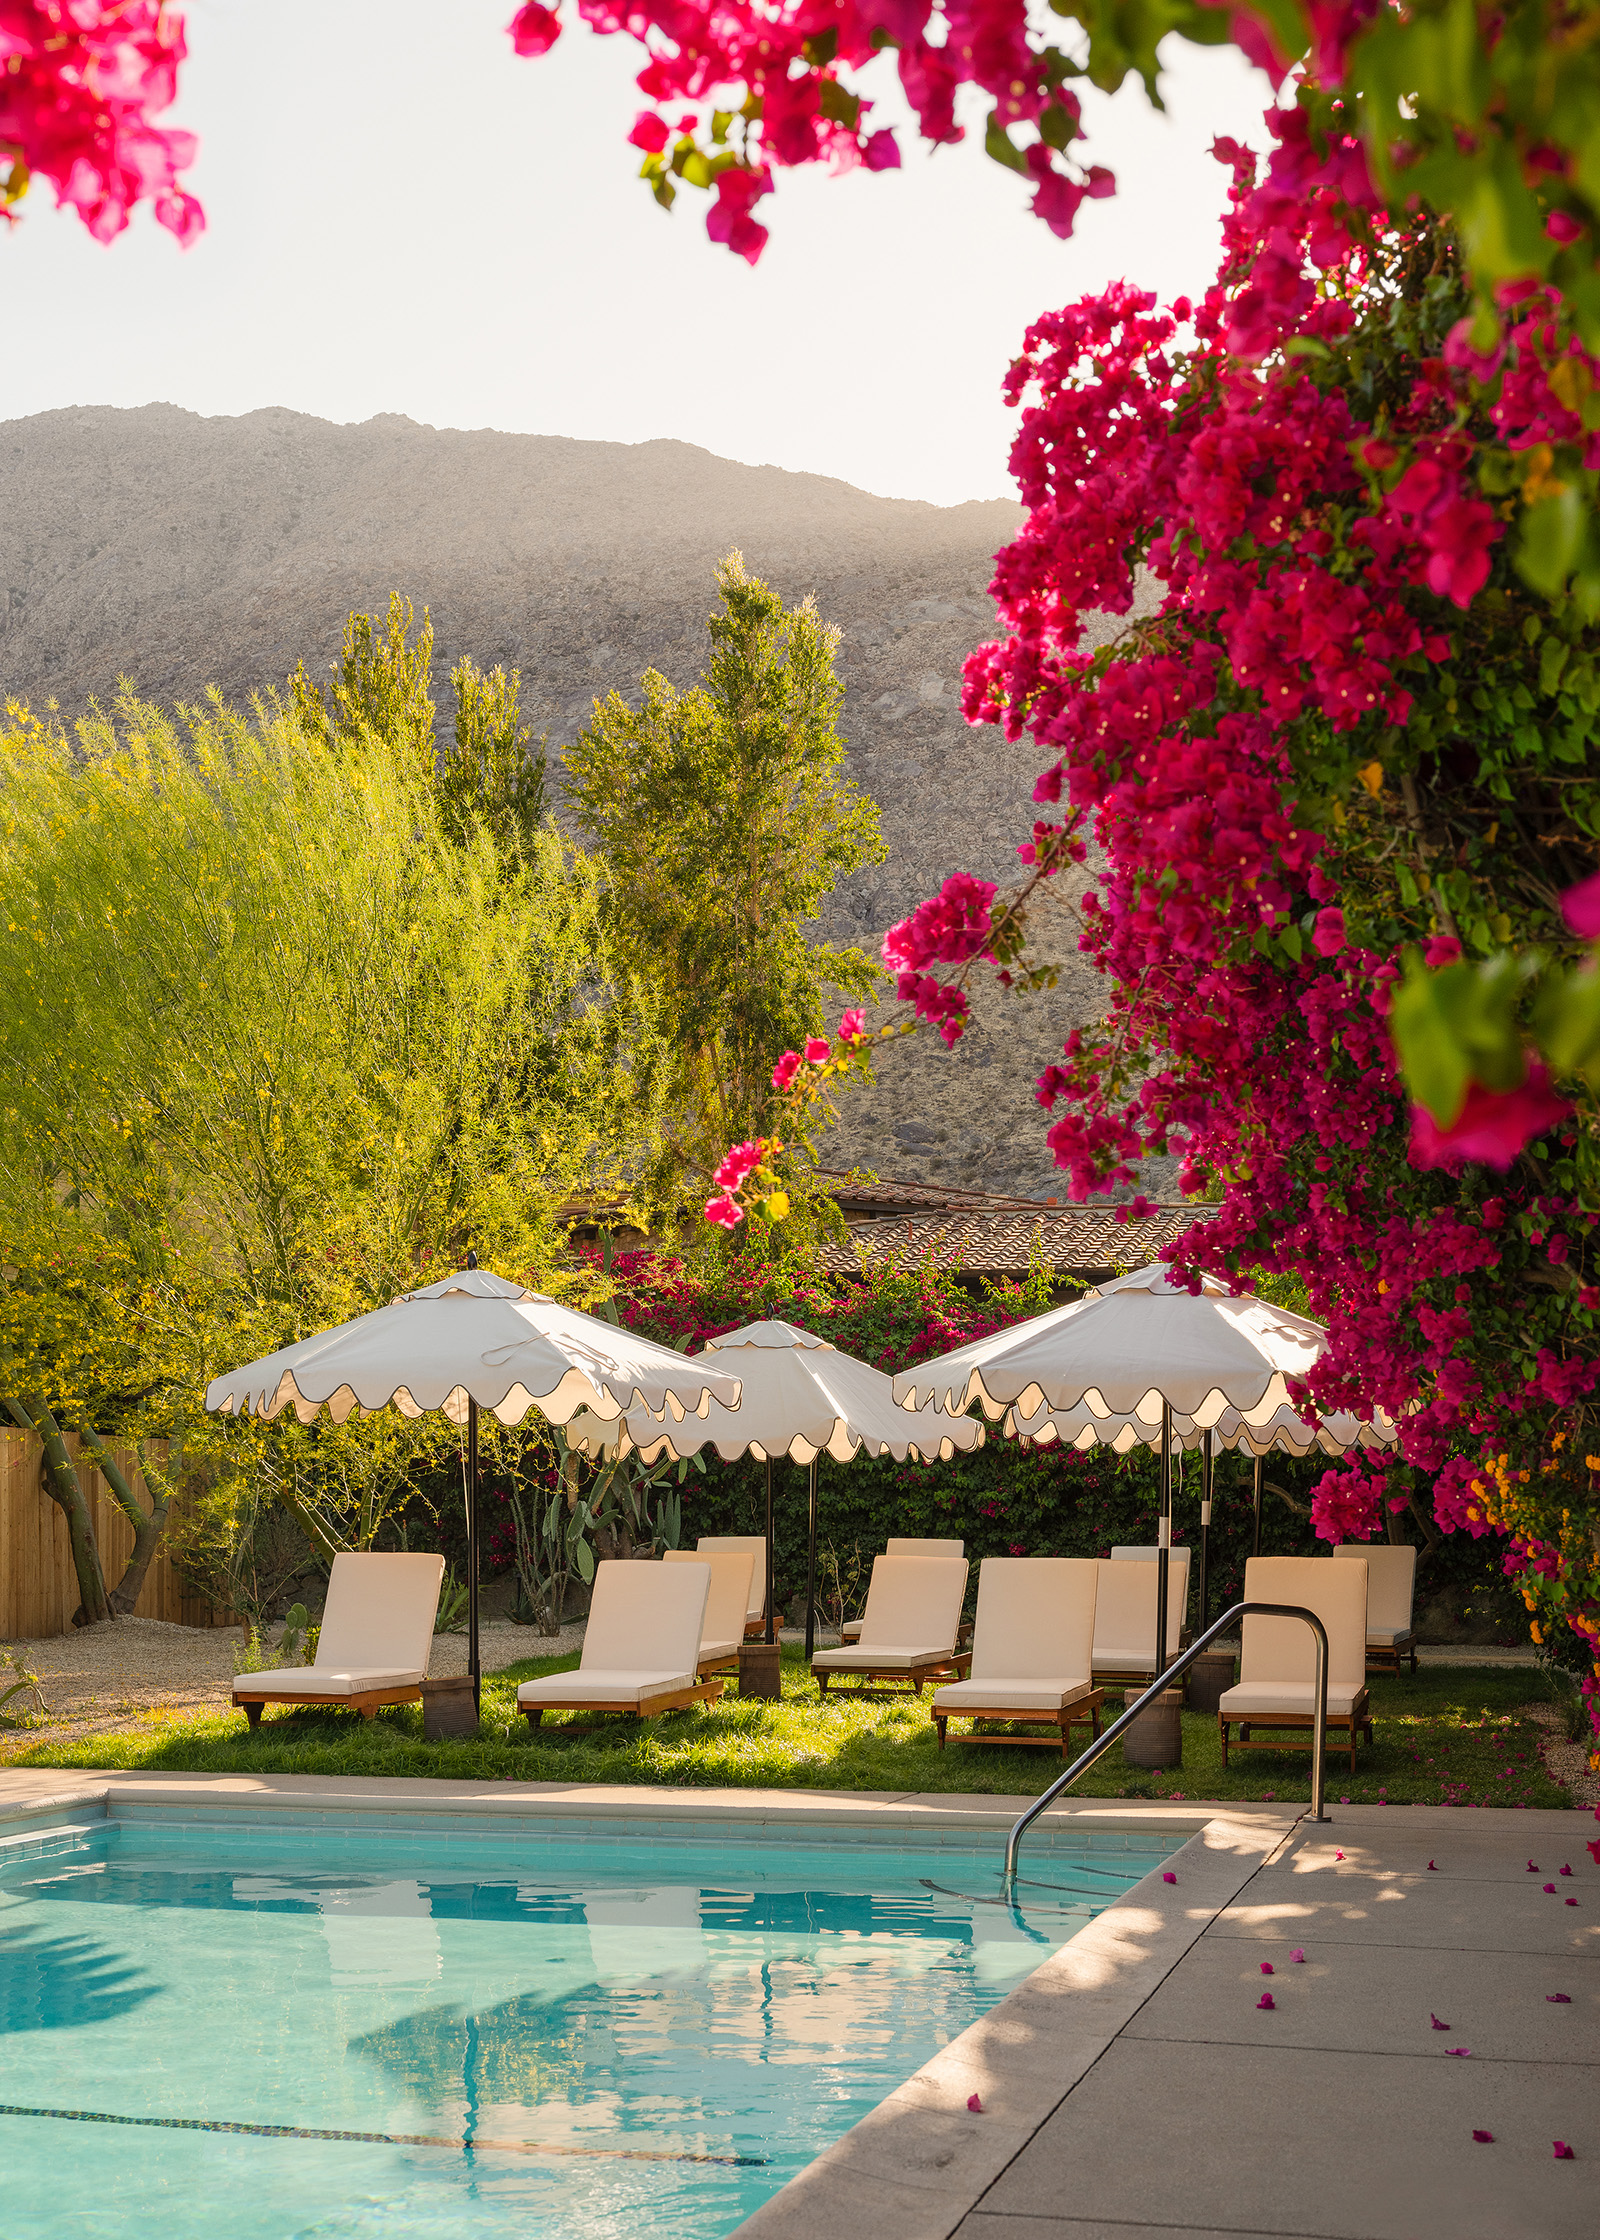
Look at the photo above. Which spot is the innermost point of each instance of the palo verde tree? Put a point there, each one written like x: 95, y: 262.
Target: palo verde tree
x: 725, y: 823
x: 274, y: 1043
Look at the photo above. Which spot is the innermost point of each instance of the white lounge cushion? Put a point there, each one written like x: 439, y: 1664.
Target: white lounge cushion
x: 727, y: 1603
x: 740, y: 1543
x: 645, y: 1617
x: 601, y: 1687
x: 317, y: 1680
x: 1279, y: 1649
x: 1125, y: 1611
x: 1035, y: 1617
x: 1254, y: 1699
x: 962, y: 1696
x: 851, y: 1629
x: 888, y: 1659
x: 721, y: 1648
x: 1391, y: 1584
x: 1387, y: 1638
x: 377, y: 1619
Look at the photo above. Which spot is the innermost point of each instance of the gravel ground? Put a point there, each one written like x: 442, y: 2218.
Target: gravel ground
x: 102, y: 1678
x: 1568, y: 1761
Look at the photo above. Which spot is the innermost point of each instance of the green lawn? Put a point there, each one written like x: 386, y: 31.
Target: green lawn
x: 1445, y: 1736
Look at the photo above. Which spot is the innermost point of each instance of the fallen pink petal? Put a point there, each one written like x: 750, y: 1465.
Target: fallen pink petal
x: 1297, y: 1954
x: 974, y: 2105
x: 1549, y: 1888
x: 1267, y: 2000
x: 1266, y: 1967
x: 1484, y: 2138
x: 1437, y: 2024
x: 1532, y: 1869
x: 1572, y: 1901
x: 1169, y: 1878
x: 1432, y: 1869
x: 1563, y: 2152
x: 1459, y: 2053
x: 1558, y: 1999
x: 1566, y: 1870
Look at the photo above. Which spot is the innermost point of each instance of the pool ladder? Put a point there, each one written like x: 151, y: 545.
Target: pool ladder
x: 1179, y: 1665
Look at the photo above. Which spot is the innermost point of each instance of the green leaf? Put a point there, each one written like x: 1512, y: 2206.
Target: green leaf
x: 1566, y: 1024
x: 1552, y: 537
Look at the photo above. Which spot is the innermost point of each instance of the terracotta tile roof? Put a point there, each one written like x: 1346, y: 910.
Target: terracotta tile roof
x: 1075, y: 1240
x: 860, y: 1197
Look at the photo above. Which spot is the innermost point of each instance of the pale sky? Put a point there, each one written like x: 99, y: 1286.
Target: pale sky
x: 404, y: 217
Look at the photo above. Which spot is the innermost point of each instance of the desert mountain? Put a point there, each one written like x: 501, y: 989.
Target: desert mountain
x: 179, y: 551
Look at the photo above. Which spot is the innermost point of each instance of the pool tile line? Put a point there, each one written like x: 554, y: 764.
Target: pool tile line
x: 387, y: 2138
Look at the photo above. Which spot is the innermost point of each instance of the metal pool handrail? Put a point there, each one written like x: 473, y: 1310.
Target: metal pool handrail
x: 1180, y: 1664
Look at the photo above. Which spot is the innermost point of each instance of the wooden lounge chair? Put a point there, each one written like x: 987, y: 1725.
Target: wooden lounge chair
x: 735, y: 1543
x: 376, y: 1637
x: 851, y: 1629
x: 641, y: 1648
x: 1277, y: 1661
x: 909, y: 1627
x: 1032, y: 1649
x: 1391, y: 1586
x: 1125, y: 1617
x: 722, y: 1629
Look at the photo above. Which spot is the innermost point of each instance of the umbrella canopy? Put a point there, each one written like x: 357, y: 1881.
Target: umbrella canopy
x: 475, y: 1338
x: 1284, y: 1430
x: 1135, y: 1348
x: 800, y: 1398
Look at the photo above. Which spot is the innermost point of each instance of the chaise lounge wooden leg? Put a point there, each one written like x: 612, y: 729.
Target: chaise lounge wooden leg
x: 1222, y: 1725
x: 822, y: 1683
x: 940, y: 1724
x: 252, y: 1712
x: 533, y: 1714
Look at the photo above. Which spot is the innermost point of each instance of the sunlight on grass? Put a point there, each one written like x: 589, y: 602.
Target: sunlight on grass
x: 1445, y: 1736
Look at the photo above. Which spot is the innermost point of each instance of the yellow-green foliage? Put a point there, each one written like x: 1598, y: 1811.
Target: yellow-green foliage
x: 273, y: 1046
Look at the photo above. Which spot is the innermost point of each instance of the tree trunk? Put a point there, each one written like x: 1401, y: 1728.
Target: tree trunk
x: 147, y: 1530
x: 59, y: 1480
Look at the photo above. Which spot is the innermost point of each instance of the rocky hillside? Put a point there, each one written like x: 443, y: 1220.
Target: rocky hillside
x: 179, y: 552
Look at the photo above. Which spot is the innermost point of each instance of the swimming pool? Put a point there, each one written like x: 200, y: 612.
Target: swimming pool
x: 445, y: 2029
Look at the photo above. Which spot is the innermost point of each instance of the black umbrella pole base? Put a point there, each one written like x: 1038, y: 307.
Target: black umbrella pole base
x: 448, y: 1711
x: 761, y: 1670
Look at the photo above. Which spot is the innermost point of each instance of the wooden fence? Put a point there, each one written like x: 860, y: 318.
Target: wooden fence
x: 38, y: 1586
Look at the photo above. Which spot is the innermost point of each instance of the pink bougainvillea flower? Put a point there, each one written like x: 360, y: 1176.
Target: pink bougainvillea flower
x: 818, y: 1050
x: 784, y: 1071
x: 1432, y: 1869
x: 1580, y: 906
x: 1593, y: 1850
x: 1328, y: 936
x: 1565, y: 1870
x: 1557, y: 1999
x: 741, y: 1161
x: 1484, y: 2138
x: 1532, y: 1869
x: 1492, y: 1126
x: 725, y: 1211
x: 1267, y: 2000
x: 535, y: 30
x: 1572, y: 1901
x: 1297, y: 1954
x: 1266, y: 1967
x: 1563, y: 2152
x: 974, y: 2105
x: 1548, y: 1888
x: 853, y: 1027
x: 1437, y: 2024
x: 1169, y: 1878
x: 1338, y: 1854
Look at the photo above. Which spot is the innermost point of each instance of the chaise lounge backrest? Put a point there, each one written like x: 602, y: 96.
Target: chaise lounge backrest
x: 1284, y: 1648
x: 729, y: 1596
x: 925, y: 1548
x: 646, y: 1617
x: 736, y: 1543
x: 1125, y: 1612
x: 914, y: 1602
x: 379, y: 1613
x: 1035, y: 1618
x: 1391, y: 1584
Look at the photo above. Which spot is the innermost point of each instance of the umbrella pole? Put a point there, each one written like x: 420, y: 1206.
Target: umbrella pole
x: 1205, y: 1531
x: 472, y: 1555
x: 772, y: 1631
x: 811, y: 1566
x: 1255, y: 1535
x: 1163, y: 1539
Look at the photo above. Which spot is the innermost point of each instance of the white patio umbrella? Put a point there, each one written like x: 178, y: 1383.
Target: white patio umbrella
x: 1285, y: 1431
x: 474, y: 1340
x: 1142, y: 1349
x: 800, y: 1398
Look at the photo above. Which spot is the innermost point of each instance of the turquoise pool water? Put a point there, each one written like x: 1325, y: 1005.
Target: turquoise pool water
x: 441, y: 2034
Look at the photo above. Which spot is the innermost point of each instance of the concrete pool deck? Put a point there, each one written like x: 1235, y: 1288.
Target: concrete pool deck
x: 1132, y: 2088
